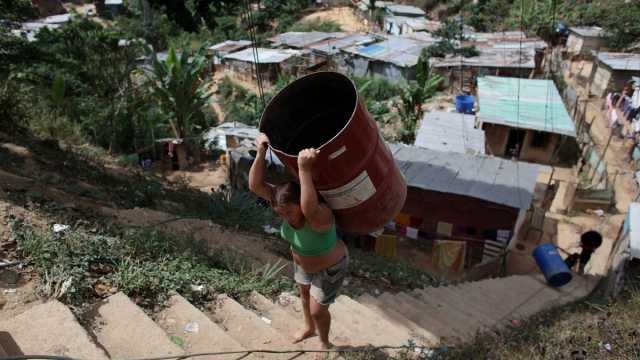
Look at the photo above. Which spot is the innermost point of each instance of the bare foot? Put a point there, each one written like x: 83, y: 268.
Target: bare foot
x: 304, y: 334
x: 324, y: 356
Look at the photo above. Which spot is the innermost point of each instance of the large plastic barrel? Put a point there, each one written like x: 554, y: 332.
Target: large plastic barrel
x: 355, y: 172
x: 464, y: 104
x: 551, y: 264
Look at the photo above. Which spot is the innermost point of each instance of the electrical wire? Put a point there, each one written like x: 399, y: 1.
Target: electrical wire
x: 243, y: 353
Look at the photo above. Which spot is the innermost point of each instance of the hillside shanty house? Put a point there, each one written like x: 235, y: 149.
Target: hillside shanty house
x: 313, y: 60
x: 404, y: 10
x: 490, y: 62
x: 584, y: 39
x: 271, y: 64
x: 229, y: 135
x: 613, y: 71
x: 218, y: 51
x: 450, y: 132
x: 395, y: 58
x: 524, y: 119
x: 473, y: 203
x: 508, y: 54
x: 403, y: 25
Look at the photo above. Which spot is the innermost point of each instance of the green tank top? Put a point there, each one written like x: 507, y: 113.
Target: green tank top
x: 308, y: 242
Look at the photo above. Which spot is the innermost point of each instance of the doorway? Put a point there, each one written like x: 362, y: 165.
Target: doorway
x: 514, y: 143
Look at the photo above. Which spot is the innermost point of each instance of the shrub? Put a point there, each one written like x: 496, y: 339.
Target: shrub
x: 316, y: 25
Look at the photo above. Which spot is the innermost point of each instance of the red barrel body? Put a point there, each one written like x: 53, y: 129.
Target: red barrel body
x: 355, y: 172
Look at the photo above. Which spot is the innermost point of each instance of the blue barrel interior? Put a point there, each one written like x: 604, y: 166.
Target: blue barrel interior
x: 552, y: 265
x: 464, y: 104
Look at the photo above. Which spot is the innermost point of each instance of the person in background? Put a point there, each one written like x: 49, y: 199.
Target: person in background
x: 320, y: 258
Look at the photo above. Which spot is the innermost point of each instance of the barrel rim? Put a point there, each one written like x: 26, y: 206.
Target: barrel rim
x: 317, y: 73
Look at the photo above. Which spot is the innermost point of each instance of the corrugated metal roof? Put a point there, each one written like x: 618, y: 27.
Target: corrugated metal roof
x: 57, y: 19
x: 452, y: 132
x: 302, y: 40
x: 405, y: 9
x: 265, y: 56
x: 523, y: 103
x: 493, y: 179
x: 333, y: 46
x: 620, y: 61
x: 588, y: 31
x: 398, y: 50
x: 230, y: 45
x: 113, y: 2
x: 491, y: 58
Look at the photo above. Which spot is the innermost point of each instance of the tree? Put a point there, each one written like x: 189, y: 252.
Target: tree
x: 182, y: 94
x: 451, y: 37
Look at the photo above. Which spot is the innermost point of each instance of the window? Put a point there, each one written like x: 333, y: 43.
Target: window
x: 540, y: 139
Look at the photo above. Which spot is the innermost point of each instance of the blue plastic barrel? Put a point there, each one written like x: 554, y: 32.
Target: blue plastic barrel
x: 551, y: 264
x: 464, y: 104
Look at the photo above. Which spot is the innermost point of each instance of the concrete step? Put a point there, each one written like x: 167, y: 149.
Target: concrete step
x: 50, y: 329
x: 479, y: 302
x: 458, y: 302
x: 465, y: 326
x: 375, y: 325
x: 249, y: 330
x: 347, y: 333
x: 421, y: 336
x: 287, y: 324
x: 362, y: 328
x: 125, y: 331
x: 429, y: 318
x: 547, y: 297
x: 209, y: 337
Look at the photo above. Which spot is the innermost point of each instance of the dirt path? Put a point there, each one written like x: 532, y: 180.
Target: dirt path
x: 619, y: 167
x: 343, y: 16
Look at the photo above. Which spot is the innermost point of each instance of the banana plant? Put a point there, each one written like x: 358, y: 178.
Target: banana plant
x: 179, y: 89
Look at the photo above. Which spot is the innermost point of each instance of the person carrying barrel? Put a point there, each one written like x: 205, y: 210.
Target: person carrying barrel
x: 320, y: 258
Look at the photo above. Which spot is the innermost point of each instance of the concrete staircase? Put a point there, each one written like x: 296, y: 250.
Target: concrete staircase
x: 117, y: 328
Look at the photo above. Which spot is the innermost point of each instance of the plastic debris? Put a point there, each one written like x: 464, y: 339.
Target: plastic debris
x: 10, y: 291
x: 599, y: 212
x: 345, y: 282
x: 60, y: 228
x: 197, y: 288
x: 376, y: 291
x: 606, y: 346
x: 515, y: 322
x: 192, y: 327
x: 270, y: 230
x: 268, y: 321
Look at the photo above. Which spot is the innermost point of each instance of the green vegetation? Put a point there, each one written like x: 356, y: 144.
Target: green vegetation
x: 450, y: 34
x: 617, y: 17
x: 316, y: 25
x: 242, y: 105
x: 177, y: 86
x: 237, y: 209
x: 76, y: 266
x: 393, y: 272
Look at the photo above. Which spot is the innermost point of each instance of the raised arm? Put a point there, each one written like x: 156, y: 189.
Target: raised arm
x: 318, y: 215
x: 257, y: 184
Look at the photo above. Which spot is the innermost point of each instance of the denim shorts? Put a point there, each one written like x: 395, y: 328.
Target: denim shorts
x: 325, y: 284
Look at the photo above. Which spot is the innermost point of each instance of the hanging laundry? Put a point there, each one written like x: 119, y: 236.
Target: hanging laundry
x: 449, y: 255
x: 403, y: 219
x: 386, y: 245
x: 412, y: 233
